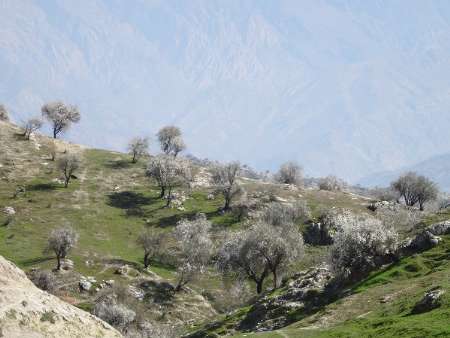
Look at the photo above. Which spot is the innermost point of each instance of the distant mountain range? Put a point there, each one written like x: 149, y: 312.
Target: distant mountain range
x: 437, y: 168
x: 344, y: 87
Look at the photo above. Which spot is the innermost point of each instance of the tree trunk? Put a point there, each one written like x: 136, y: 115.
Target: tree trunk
x: 163, y: 192
x: 146, y: 261
x: 275, y: 279
x: 421, y: 206
x: 58, y: 260
x: 259, y: 285
x: 66, y: 182
x: 55, y: 133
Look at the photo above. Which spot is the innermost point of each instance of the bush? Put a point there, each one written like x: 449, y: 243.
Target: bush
x: 114, y: 314
x: 362, y: 245
x: 290, y: 173
x: 331, y: 183
x: 44, y: 280
x: 276, y: 213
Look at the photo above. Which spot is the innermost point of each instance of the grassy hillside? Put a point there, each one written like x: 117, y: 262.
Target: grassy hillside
x: 109, y: 203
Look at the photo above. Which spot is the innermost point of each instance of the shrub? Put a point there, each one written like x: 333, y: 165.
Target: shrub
x: 331, y: 183
x: 44, y: 280
x: 114, y: 314
x: 290, y: 173
x: 276, y: 213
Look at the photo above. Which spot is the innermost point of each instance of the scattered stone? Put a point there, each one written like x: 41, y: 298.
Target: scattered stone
x: 210, y: 197
x: 122, y: 270
x: 430, y: 301
x: 85, y: 285
x: 91, y: 279
x: 110, y: 282
x: 422, y: 242
x: 67, y: 264
x: 136, y: 292
x: 439, y: 229
x: 9, y: 211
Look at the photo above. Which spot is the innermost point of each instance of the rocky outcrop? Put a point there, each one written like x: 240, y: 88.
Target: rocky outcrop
x: 305, y: 293
x: 425, y: 240
x: 26, y: 311
x: 430, y: 301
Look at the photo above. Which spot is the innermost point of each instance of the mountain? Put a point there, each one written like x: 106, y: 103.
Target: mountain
x: 344, y: 87
x: 437, y: 168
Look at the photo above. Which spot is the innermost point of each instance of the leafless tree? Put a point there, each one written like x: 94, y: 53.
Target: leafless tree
x: 168, y: 172
x: 4, y: 116
x: 68, y: 164
x: 60, y: 115
x: 137, y: 148
x: 61, y: 241
x: 259, y: 251
x: 196, y: 247
x: 290, y: 173
x: 171, y: 140
x: 331, y: 183
x: 32, y: 125
x: 224, y: 178
x: 152, y: 243
x: 415, y: 189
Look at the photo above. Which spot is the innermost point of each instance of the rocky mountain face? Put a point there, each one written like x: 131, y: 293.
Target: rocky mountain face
x: 344, y: 87
x: 26, y: 311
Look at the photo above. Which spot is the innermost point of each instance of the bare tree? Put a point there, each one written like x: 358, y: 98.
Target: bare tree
x: 61, y: 241
x: 152, y: 243
x: 32, y: 125
x: 331, y: 183
x: 137, y: 148
x: 224, y: 178
x: 60, y: 115
x: 171, y: 140
x: 195, y: 248
x: 261, y: 250
x: 68, y: 164
x: 4, y: 116
x: 168, y: 172
x: 415, y: 189
x: 426, y: 191
x: 290, y: 173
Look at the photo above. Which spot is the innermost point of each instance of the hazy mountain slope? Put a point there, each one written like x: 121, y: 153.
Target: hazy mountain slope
x: 347, y: 87
x: 437, y: 168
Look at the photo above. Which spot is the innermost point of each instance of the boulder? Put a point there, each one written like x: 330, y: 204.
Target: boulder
x: 422, y: 242
x: 430, y: 301
x: 84, y: 285
x: 67, y: 264
x: 439, y: 229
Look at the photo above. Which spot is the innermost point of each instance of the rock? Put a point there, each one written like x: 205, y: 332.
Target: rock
x: 210, y: 197
x: 91, y: 279
x: 67, y: 264
x: 85, y: 285
x: 430, y: 301
x: 439, y: 229
x: 9, y: 211
x: 136, y: 292
x: 123, y: 270
x: 39, y: 314
x: 110, y: 282
x: 422, y: 242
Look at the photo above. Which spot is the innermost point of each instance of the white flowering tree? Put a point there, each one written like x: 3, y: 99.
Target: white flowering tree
x: 195, y: 246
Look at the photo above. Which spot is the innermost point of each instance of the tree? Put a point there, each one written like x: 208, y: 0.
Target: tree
x: 4, y: 116
x: 331, y: 183
x: 61, y: 116
x: 290, y: 173
x: 151, y: 242
x: 360, y: 246
x: 137, y: 148
x: 68, y: 164
x: 31, y: 126
x: 224, y: 178
x: 276, y: 213
x: 196, y: 247
x: 426, y: 191
x: 415, y: 189
x: 61, y: 241
x: 171, y: 140
x: 261, y: 250
x: 168, y: 173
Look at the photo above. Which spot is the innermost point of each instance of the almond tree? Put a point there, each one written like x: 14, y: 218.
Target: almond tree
x: 152, y: 243
x: 168, y: 173
x: 171, y: 140
x: 61, y: 241
x: 195, y: 246
x: 68, y: 164
x: 290, y: 173
x: 31, y: 126
x: 60, y: 115
x: 137, y: 148
x: 224, y: 178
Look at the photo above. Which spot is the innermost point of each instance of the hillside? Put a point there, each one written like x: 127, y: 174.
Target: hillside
x: 109, y: 203
x: 323, y: 80
x: 26, y: 311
